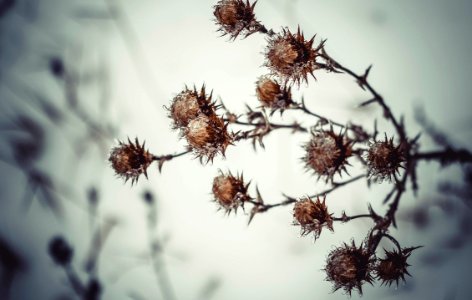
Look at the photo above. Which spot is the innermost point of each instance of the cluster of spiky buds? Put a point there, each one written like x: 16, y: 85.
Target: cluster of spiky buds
x: 393, y: 267
x: 312, y: 216
x: 384, y: 159
x: 230, y: 191
x: 327, y: 153
x: 272, y: 95
x: 130, y: 160
x: 349, y: 267
x: 292, y: 58
x: 236, y: 17
x: 195, y: 115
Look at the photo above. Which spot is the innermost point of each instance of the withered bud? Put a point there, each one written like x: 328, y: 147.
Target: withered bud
x: 393, y: 267
x: 272, y: 95
x: 230, y: 191
x: 384, y: 159
x: 236, y: 17
x: 188, y: 104
x: 349, y: 267
x: 130, y: 160
x: 290, y: 57
x: 207, y: 136
x: 312, y: 216
x: 327, y: 153
x: 60, y: 251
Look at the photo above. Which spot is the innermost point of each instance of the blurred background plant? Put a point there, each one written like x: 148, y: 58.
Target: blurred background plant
x: 75, y: 75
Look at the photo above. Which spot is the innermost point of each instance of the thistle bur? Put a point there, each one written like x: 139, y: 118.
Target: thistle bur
x: 292, y: 58
x: 230, y: 191
x: 384, y: 159
x: 207, y: 136
x: 236, y: 17
x: 312, y: 216
x: 393, y: 267
x: 272, y: 95
x: 349, y: 267
x: 188, y: 105
x: 130, y: 160
x: 327, y: 153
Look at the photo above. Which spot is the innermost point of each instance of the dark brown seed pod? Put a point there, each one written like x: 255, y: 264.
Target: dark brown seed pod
x: 236, y: 17
x: 290, y: 57
x: 393, y: 267
x: 312, y: 216
x: 230, y: 191
x: 188, y: 104
x: 384, y: 159
x: 349, y: 267
x: 207, y: 136
x: 272, y: 95
x: 327, y: 153
x: 130, y: 160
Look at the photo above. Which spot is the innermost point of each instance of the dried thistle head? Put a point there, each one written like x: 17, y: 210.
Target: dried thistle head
x: 290, y: 57
x: 207, y: 136
x: 272, y: 95
x: 130, y: 160
x: 327, y: 153
x: 393, y: 267
x: 349, y: 267
x: 384, y: 159
x: 312, y: 216
x: 236, y: 17
x: 188, y: 104
x: 230, y: 191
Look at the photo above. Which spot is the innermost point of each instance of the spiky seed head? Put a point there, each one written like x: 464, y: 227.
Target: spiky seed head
x: 327, y: 153
x: 230, y: 191
x: 384, y: 159
x: 393, y: 267
x: 235, y: 17
x: 290, y: 57
x: 312, y: 216
x: 272, y: 95
x: 349, y: 267
x: 130, y: 160
x: 188, y: 104
x: 207, y: 136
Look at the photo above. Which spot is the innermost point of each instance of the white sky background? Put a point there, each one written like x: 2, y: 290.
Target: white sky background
x: 420, y: 52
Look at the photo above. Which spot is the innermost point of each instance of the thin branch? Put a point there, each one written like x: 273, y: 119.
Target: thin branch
x: 446, y: 156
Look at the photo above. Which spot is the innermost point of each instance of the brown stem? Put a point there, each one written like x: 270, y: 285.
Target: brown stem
x: 363, y: 82
x: 446, y: 156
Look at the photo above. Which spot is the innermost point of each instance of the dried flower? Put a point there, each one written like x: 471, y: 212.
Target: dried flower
x: 188, y: 104
x: 392, y: 268
x: 272, y: 95
x: 312, y: 216
x: 384, y: 159
x: 230, y: 191
x: 349, y: 267
x: 60, y: 251
x: 327, y: 153
x: 236, y: 17
x: 290, y: 57
x: 207, y: 136
x: 130, y: 160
